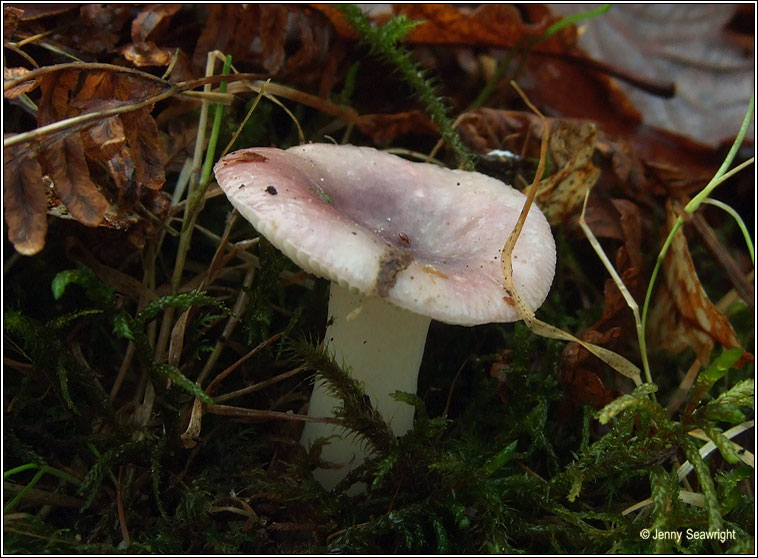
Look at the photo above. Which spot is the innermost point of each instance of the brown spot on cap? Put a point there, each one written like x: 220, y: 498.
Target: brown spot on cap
x: 244, y: 156
x: 393, y: 262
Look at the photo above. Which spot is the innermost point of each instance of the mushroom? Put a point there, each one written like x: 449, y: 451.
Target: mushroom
x: 402, y: 243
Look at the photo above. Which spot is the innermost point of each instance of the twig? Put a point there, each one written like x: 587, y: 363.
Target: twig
x: 120, y: 507
x: 218, y: 379
x: 237, y: 311
x: 258, y: 415
x: 725, y: 259
x: 259, y: 385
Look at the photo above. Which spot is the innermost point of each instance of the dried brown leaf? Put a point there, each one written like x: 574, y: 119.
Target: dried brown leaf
x: 682, y: 315
x: 486, y: 129
x: 121, y: 169
x: 602, y: 220
x: 57, y: 91
x: 489, y: 25
x: 493, y: 25
x: 671, y: 331
x: 287, y: 40
x: 145, y: 148
x: 153, y: 21
x: 619, y: 220
x: 100, y: 27
x: 384, y: 128
x: 25, y: 203
x: 584, y: 387
x: 220, y: 32
x: 11, y: 17
x: 147, y: 54
x: 630, y: 220
x: 97, y: 85
x: 579, y: 374
x: 64, y: 162
x: 104, y: 139
x: 690, y: 299
x: 572, y: 145
x: 129, y: 144
x: 273, y: 19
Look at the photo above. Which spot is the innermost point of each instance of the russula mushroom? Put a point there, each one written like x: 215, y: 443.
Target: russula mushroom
x: 402, y: 243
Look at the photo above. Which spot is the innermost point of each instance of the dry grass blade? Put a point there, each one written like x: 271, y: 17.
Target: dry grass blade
x: 620, y: 284
x: 745, y: 456
x: 686, y: 496
x: 614, y: 360
x: 696, y: 498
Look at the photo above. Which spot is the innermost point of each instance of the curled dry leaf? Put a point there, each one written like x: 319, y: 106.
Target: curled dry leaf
x: 486, y: 129
x: 64, y: 162
x: 571, y: 147
x: 11, y: 17
x: 682, y: 315
x: 153, y: 21
x: 621, y: 219
x: 149, y: 26
x: 23, y: 87
x: 105, y: 139
x: 147, y: 54
x: 670, y: 331
x: 583, y: 387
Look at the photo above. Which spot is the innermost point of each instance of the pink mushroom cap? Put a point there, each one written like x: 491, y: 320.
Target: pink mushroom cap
x: 425, y: 238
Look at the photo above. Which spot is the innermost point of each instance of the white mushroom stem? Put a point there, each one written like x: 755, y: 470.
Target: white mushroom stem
x: 381, y: 346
